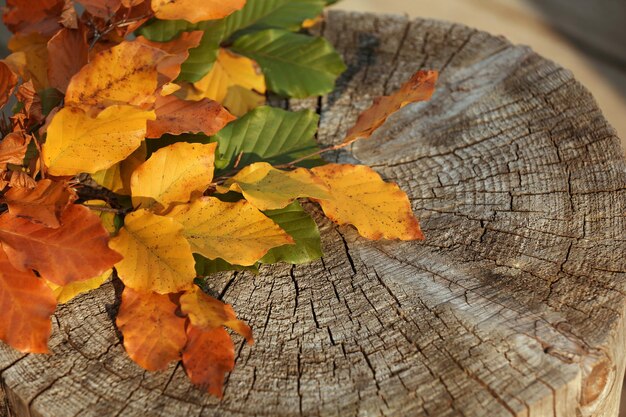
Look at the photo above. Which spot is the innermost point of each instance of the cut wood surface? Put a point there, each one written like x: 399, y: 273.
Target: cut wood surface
x: 513, y: 306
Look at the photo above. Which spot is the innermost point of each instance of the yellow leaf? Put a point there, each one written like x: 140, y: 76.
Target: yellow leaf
x: 361, y: 198
x: 236, y: 232
x: 157, y: 256
x: 65, y: 293
x: 106, y: 217
x: 207, y: 313
x: 124, y: 74
x: 239, y: 100
x: 172, y: 174
x: 195, y: 11
x: 231, y: 70
x: 79, y: 143
x: 268, y: 188
x: 117, y: 177
x: 34, y: 46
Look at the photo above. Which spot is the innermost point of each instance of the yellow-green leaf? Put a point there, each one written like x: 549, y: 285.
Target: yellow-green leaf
x: 268, y: 188
x: 361, y: 198
x: 236, y: 232
x: 172, y: 174
x: 157, y: 256
x: 79, y: 143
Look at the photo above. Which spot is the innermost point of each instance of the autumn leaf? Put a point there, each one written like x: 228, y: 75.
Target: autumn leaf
x: 172, y: 174
x: 76, y: 251
x: 419, y: 88
x: 195, y: 10
x: 101, y: 8
x: 206, y: 312
x: 157, y: 256
x: 69, y: 51
x: 65, y: 293
x: 176, y: 116
x: 268, y: 188
x: 124, y: 74
x: 78, y: 143
x: 27, y: 305
x: 43, y: 204
x: 13, y: 148
x: 239, y: 100
x: 361, y: 198
x: 208, y: 356
x: 8, y: 81
x: 117, y: 177
x: 236, y: 232
x: 35, y: 64
x: 229, y: 71
x: 154, y: 335
x: 28, y: 16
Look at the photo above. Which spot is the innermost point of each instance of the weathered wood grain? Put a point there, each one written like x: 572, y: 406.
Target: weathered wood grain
x: 514, y: 305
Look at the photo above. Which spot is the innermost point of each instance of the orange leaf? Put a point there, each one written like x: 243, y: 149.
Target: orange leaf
x: 26, y: 303
x: 125, y: 74
x: 209, y: 354
x: 176, y: 116
x: 206, y: 312
x: 13, y: 148
x: 8, y: 81
x: 101, y: 8
x: 419, y: 88
x: 35, y: 50
x: 176, y: 52
x: 70, y: 53
x: 27, y: 16
x: 195, y: 11
x: 153, y: 334
x: 43, y: 204
x: 76, y: 251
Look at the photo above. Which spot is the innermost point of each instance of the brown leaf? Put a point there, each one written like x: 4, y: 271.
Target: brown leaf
x: 177, y: 116
x: 33, y: 109
x: 153, y: 334
x: 208, y: 356
x: 69, y: 52
x: 28, y: 16
x: 13, y: 148
x: 26, y: 303
x: 43, y: 204
x: 20, y: 179
x: 8, y: 81
x: 101, y: 8
x: 419, y: 88
x: 76, y: 251
x: 68, y: 17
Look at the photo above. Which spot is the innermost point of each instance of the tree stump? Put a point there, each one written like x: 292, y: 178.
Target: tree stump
x: 514, y: 304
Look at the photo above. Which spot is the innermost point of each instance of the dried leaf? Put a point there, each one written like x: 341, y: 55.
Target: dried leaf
x: 156, y: 255
x: 27, y: 305
x: 172, y: 174
x: 28, y: 16
x: 101, y: 8
x: 419, y: 88
x: 208, y: 356
x: 268, y: 188
x: 206, y: 312
x: 43, y: 204
x: 153, y: 334
x: 70, y: 52
x: 78, y: 143
x: 361, y: 198
x: 8, y: 81
x: 236, y: 232
x: 13, y: 148
x: 176, y: 116
x: 76, y: 251
x: 195, y: 11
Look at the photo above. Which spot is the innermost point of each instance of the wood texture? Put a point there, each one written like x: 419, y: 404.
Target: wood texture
x: 513, y: 306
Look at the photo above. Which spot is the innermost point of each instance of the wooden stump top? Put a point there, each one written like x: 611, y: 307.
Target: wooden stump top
x: 514, y: 304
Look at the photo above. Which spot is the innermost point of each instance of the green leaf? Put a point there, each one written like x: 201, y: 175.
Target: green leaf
x: 272, y: 14
x: 268, y: 134
x: 206, y: 267
x: 295, y: 65
x: 297, y: 222
x: 202, y: 57
x: 50, y: 98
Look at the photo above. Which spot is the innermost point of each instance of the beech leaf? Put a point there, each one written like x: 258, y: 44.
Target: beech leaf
x: 70, y: 52
x: 8, y: 81
x: 195, y: 10
x: 157, y: 256
x: 154, y: 335
x: 361, y: 198
x: 43, y: 204
x: 67, y: 292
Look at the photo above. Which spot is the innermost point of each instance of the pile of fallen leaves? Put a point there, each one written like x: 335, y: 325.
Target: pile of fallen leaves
x: 123, y: 157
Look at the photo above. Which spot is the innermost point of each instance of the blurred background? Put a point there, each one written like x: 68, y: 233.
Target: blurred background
x: 587, y: 37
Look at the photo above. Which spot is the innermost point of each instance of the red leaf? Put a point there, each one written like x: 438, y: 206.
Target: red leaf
x: 177, y: 116
x: 44, y: 204
x: 70, y: 53
x: 28, y: 16
x: 154, y: 335
x: 26, y: 303
x: 208, y: 356
x: 76, y: 251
